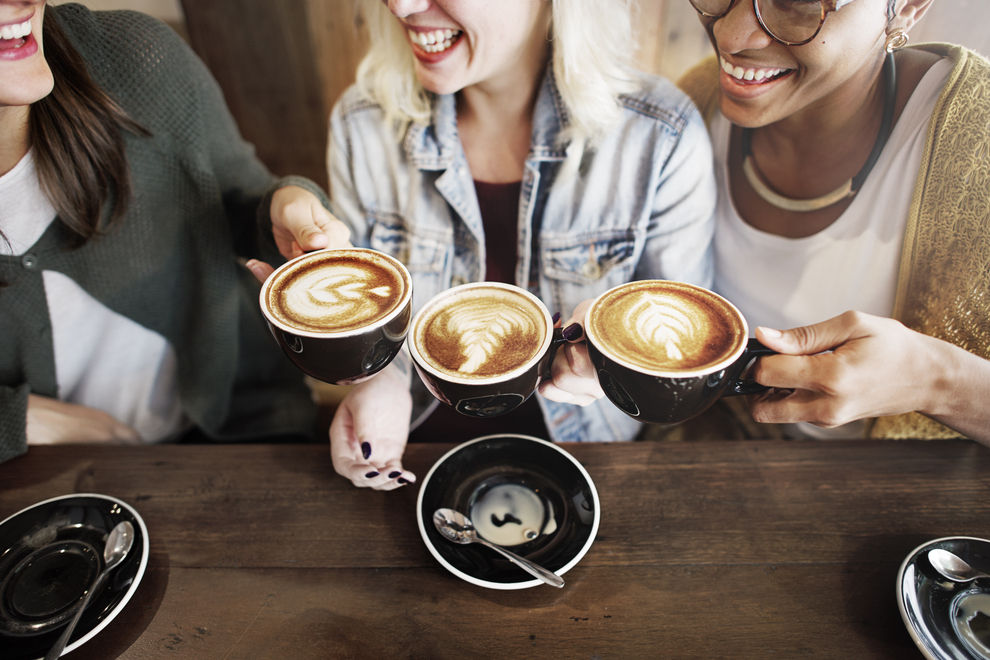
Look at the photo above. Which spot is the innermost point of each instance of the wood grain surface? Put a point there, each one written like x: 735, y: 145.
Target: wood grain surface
x: 713, y: 549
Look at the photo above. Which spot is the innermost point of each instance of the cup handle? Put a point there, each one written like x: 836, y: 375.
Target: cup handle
x: 555, y: 343
x: 754, y: 349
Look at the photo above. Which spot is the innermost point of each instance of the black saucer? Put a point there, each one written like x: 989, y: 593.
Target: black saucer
x: 947, y: 620
x: 464, y: 474
x: 50, y: 553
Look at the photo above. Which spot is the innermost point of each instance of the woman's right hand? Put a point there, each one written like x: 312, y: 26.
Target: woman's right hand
x: 52, y: 422
x: 300, y: 223
x: 369, y: 431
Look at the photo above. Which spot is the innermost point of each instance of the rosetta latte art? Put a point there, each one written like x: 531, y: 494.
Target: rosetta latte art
x: 343, y: 293
x: 486, y: 333
x: 665, y: 324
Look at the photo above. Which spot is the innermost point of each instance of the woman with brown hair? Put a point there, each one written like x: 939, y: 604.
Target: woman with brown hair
x: 126, y: 197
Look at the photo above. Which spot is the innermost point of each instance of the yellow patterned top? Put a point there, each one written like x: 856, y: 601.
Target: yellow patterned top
x: 943, y: 287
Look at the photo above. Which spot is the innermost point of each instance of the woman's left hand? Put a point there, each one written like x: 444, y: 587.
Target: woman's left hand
x: 572, y: 376
x: 856, y: 365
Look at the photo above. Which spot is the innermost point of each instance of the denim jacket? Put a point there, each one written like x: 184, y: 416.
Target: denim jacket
x: 639, y: 206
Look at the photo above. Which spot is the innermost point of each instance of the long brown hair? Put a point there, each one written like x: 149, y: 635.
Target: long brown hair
x: 77, y: 136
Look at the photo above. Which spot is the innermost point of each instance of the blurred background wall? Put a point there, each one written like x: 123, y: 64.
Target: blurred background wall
x: 282, y: 63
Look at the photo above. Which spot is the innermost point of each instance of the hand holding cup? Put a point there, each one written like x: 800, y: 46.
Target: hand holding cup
x: 665, y: 351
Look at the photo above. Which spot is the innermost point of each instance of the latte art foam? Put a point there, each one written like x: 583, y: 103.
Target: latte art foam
x: 480, y: 332
x: 336, y: 292
x: 666, y: 326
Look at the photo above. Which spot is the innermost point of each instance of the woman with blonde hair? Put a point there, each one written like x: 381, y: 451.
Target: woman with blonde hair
x: 509, y: 141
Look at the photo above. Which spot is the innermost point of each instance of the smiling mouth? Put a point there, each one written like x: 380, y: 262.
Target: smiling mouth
x: 434, y: 41
x: 14, y: 36
x: 754, y: 74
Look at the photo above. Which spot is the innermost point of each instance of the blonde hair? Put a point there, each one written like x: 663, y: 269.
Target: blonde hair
x: 592, y: 58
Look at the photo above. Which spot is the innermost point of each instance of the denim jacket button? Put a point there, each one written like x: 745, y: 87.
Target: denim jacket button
x: 29, y: 261
x: 591, y: 270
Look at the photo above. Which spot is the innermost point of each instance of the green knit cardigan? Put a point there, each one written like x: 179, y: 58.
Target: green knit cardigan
x: 171, y: 265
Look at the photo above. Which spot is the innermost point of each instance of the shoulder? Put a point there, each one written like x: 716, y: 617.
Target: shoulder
x: 353, y: 101
x: 700, y: 82
x: 108, y: 36
x: 658, y: 99
x: 133, y: 56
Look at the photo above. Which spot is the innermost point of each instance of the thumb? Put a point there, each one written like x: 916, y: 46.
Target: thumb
x: 312, y: 238
x: 806, y: 339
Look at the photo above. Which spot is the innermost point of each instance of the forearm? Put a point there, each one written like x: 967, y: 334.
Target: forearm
x: 959, y: 392
x: 13, y: 421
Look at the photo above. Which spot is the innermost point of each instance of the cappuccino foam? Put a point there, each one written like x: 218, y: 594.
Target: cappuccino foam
x: 335, y: 291
x: 663, y: 326
x: 480, y: 332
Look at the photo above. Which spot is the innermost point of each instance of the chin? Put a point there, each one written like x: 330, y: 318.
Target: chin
x: 744, y: 117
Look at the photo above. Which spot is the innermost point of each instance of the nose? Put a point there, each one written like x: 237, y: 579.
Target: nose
x: 403, y: 8
x: 739, y: 29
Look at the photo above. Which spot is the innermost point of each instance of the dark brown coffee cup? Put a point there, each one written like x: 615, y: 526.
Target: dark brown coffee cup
x: 665, y: 351
x: 482, y: 347
x: 339, y: 315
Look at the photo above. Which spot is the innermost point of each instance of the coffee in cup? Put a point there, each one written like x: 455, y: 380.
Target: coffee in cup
x: 665, y: 351
x: 340, y: 315
x: 480, y: 347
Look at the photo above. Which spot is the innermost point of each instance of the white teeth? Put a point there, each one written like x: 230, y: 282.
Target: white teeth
x: 435, y: 41
x: 740, y: 73
x: 16, y: 31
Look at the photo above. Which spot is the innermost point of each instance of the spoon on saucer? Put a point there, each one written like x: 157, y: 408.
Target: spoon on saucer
x: 953, y: 567
x: 457, y: 527
x: 119, y: 542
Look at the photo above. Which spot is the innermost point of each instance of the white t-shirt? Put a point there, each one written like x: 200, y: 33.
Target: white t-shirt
x: 852, y: 264
x: 102, y: 359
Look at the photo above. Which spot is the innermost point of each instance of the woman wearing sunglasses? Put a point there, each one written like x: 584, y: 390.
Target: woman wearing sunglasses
x: 854, y: 174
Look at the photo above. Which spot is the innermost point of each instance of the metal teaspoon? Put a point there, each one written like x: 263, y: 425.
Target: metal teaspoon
x: 953, y: 566
x: 457, y: 527
x: 118, y: 544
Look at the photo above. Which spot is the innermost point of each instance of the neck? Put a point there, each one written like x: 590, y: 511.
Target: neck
x: 814, y: 151
x: 495, y: 121
x: 13, y: 136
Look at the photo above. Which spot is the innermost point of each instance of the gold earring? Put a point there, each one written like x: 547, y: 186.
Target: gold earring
x: 897, y: 38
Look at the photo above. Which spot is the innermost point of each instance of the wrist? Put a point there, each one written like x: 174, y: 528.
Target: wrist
x: 944, y: 388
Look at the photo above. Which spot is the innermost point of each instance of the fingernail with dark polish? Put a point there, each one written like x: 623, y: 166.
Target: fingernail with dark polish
x: 366, y: 449
x: 573, y: 332
x: 556, y: 317
x: 371, y: 474
x: 402, y: 480
x: 393, y: 475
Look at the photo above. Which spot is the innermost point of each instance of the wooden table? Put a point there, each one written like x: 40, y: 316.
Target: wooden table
x: 713, y: 549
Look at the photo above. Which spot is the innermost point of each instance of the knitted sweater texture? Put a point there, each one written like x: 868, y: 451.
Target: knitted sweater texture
x: 171, y: 264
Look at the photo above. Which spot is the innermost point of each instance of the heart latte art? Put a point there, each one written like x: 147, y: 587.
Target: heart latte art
x: 661, y: 326
x: 336, y: 291
x: 480, y: 332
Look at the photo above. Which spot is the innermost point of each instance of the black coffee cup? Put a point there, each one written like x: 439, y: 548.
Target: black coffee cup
x: 483, y: 348
x: 340, y: 315
x: 666, y: 351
